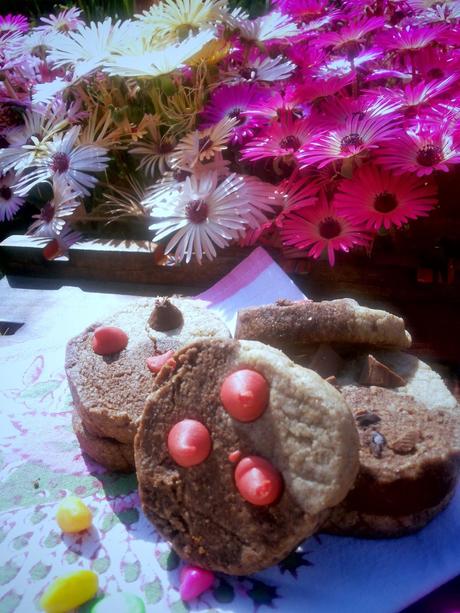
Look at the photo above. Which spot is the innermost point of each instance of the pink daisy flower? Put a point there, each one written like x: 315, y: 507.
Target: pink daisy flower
x: 304, y: 10
x: 234, y: 101
x: 10, y: 202
x: 286, y: 101
x: 353, y: 138
x: 65, y: 21
x: 412, y: 96
x: 11, y: 24
x: 283, y: 138
x: 409, y: 38
x: 379, y: 199
x: 350, y: 37
x: 321, y: 228
x: 313, y: 89
x: 296, y: 193
x: 421, y: 150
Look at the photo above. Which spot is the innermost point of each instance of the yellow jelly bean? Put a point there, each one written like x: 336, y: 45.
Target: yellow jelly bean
x: 73, y: 515
x: 69, y: 591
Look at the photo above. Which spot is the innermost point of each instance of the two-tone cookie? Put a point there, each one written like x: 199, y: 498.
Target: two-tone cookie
x: 240, y: 453
x: 111, y: 366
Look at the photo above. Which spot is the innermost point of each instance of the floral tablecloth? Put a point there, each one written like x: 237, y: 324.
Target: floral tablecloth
x: 41, y: 463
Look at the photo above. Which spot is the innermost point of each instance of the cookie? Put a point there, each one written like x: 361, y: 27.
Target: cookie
x: 108, y: 452
x: 410, y: 376
x: 109, y: 391
x: 409, y: 458
x: 276, y: 448
x: 294, y: 326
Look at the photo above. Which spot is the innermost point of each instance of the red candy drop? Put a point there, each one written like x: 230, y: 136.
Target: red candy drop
x: 109, y: 339
x: 244, y: 395
x: 156, y: 362
x: 52, y: 250
x: 194, y: 581
x: 189, y: 442
x: 258, y: 481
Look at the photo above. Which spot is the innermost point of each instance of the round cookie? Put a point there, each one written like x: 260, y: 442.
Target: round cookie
x: 306, y: 434
x: 106, y: 451
x: 292, y: 325
x: 109, y: 391
x: 409, y: 459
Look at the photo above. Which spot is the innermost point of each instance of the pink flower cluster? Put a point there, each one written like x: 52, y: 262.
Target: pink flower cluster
x: 355, y: 137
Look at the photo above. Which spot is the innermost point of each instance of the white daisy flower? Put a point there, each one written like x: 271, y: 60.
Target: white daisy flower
x: 175, y: 20
x: 10, y: 201
x: 64, y: 158
x: 64, y: 21
x: 200, y: 213
x: 261, y: 68
x: 273, y: 25
x: 159, y: 61
x: 202, y: 145
x: 88, y: 47
x: 156, y: 152
x: 51, y: 219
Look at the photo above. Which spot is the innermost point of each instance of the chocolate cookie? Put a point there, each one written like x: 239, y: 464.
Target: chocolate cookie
x: 106, y: 451
x: 109, y: 389
x: 240, y: 452
x: 409, y: 459
x: 296, y: 326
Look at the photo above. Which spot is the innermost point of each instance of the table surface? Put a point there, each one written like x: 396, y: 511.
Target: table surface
x: 25, y: 304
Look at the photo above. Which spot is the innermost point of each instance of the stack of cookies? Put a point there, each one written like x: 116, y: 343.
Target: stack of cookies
x: 313, y: 417
x: 111, y: 368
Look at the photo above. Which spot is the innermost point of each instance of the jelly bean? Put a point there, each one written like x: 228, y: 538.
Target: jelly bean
x: 69, y: 591
x: 194, y: 581
x: 156, y: 362
x: 108, y: 340
x: 258, y: 481
x: 73, y: 515
x: 189, y: 442
x: 244, y: 394
x: 121, y: 602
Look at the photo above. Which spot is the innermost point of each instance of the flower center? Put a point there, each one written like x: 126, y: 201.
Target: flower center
x: 184, y: 30
x: 196, y: 211
x: 429, y: 155
x: 47, y: 213
x: 248, y: 73
x: 435, y: 73
x: 165, y: 147
x: 180, y: 175
x: 236, y: 114
x: 10, y: 117
x: 385, y: 202
x: 5, y: 192
x: 350, y: 141
x: 290, y: 142
x: 3, y: 142
x: 60, y: 162
x: 204, y: 144
x: 329, y: 228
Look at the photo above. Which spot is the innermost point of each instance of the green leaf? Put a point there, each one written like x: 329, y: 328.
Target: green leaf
x: 110, y: 520
x: 179, y: 607
x: 131, y: 571
x: 100, y: 565
x: 41, y: 389
x: 8, y: 572
x: 9, y: 602
x: 71, y: 557
x: 21, y: 541
x: 3, y: 534
x: 37, y: 517
x: 116, y: 484
x: 53, y: 539
x: 169, y: 560
x: 153, y: 591
x: 39, y: 571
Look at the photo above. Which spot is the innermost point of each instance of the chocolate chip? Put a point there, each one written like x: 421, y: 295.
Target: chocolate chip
x: 165, y: 316
x: 367, y: 419
x: 377, y: 444
x: 376, y: 373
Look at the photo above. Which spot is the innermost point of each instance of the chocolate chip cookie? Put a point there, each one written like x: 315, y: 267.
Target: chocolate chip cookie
x: 409, y: 458
x: 240, y: 453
